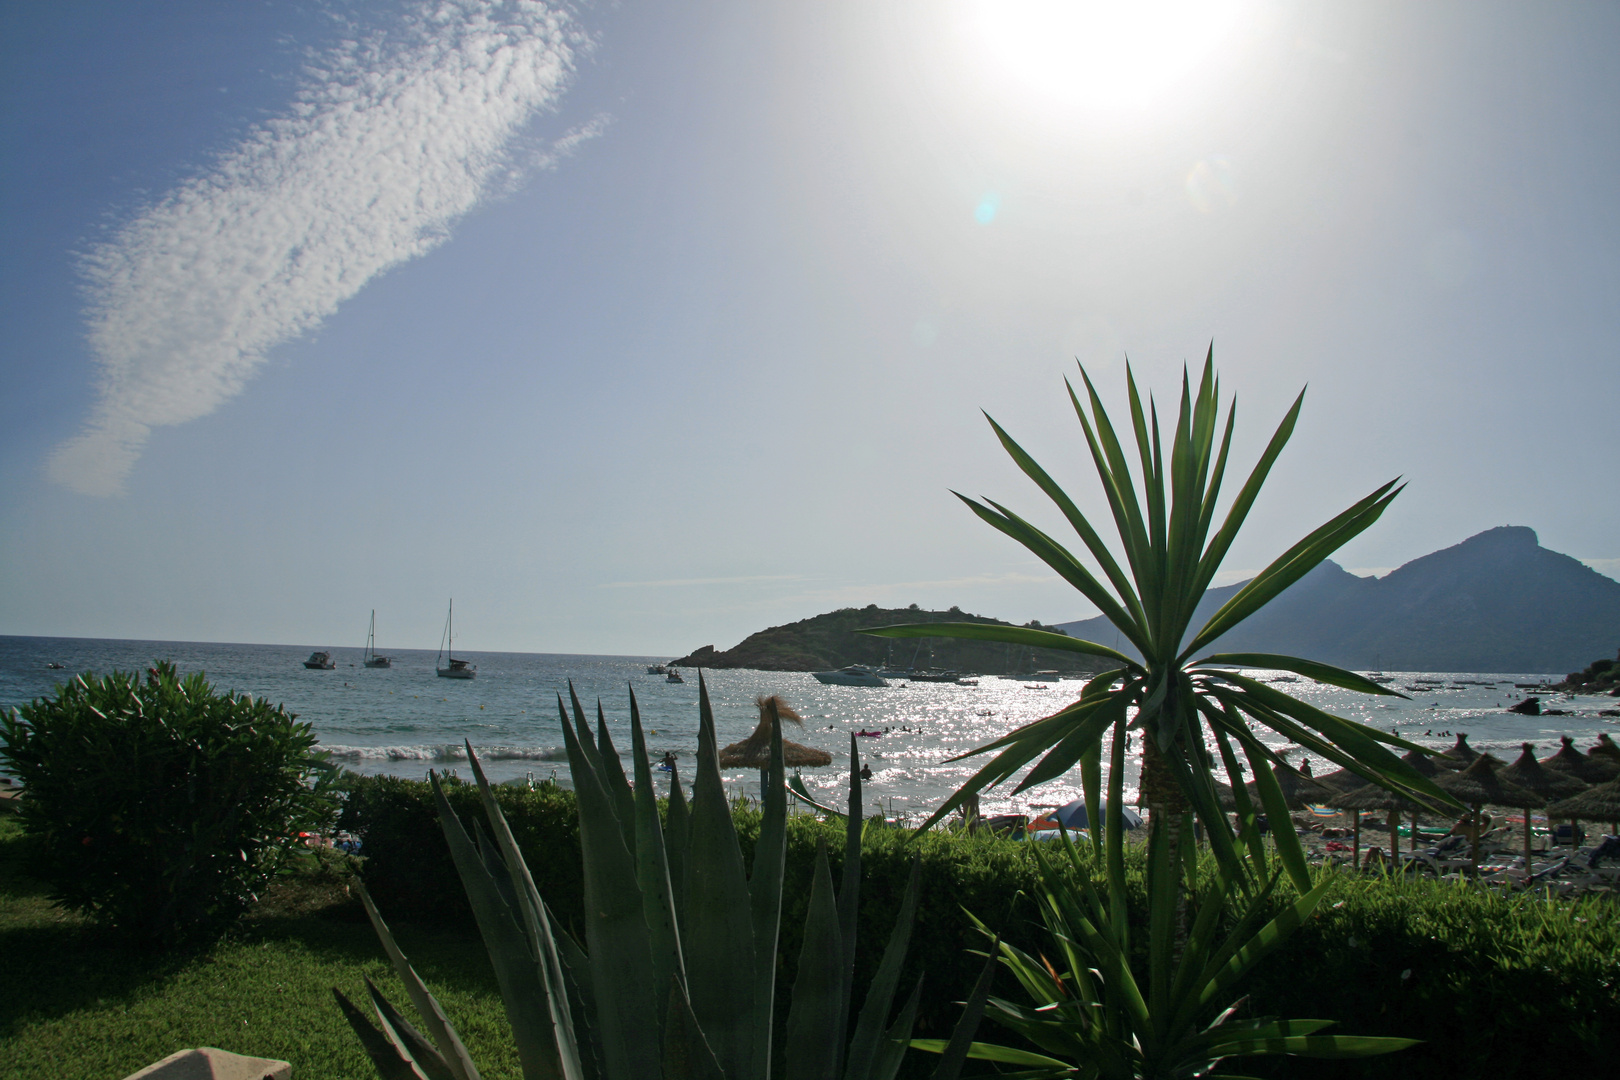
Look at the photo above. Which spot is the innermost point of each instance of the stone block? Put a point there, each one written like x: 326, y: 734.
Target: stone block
x: 207, y: 1063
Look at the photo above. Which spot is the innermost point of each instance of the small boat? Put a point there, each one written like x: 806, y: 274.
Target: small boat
x: 657, y: 669
x: 673, y: 676
x: 869, y: 734
x: 455, y: 669
x: 967, y: 682
x: 854, y: 675
x: 320, y: 661
x: 54, y: 666
x: 371, y: 657
x: 1036, y: 686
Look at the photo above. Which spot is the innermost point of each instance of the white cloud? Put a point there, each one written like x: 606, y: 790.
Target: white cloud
x: 394, y: 138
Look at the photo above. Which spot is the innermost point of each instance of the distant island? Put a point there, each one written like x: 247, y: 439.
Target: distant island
x: 1498, y: 601
x: 831, y: 641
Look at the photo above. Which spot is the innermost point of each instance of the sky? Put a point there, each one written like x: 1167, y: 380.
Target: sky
x: 639, y: 327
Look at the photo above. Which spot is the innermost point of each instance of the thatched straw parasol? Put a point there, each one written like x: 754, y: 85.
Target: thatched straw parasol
x: 754, y: 752
x: 1601, y: 803
x: 1478, y: 785
x: 1337, y: 780
x: 1605, y: 747
x: 1373, y: 797
x: 1594, y: 770
x: 1298, y: 790
x: 1461, y: 755
x: 1550, y: 784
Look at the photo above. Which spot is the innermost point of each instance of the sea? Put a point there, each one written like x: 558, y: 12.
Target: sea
x: 405, y: 720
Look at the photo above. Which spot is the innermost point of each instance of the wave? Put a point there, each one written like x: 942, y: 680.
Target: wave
x: 446, y: 752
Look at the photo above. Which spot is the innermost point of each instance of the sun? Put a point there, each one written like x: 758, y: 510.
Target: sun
x: 1123, y: 56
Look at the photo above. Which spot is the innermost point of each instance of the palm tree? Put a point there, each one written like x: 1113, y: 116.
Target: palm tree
x: 1189, y: 708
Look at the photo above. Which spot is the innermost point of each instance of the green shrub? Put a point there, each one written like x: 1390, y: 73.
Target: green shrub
x: 1498, y: 984
x: 157, y: 806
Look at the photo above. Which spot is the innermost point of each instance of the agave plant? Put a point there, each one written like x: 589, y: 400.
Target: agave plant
x: 1089, y: 1015
x: 676, y: 975
x: 1189, y: 708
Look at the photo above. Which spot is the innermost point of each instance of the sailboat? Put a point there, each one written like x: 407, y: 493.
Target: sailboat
x: 456, y: 669
x: 371, y: 657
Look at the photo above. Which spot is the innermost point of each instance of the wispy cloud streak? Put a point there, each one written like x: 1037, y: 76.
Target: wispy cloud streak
x: 393, y: 139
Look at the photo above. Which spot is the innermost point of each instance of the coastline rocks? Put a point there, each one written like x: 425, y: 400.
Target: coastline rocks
x: 1530, y: 706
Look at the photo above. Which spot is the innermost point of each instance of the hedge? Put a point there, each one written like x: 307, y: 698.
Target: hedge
x: 1496, y: 986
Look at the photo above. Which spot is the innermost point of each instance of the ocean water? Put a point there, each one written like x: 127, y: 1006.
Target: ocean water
x: 405, y: 720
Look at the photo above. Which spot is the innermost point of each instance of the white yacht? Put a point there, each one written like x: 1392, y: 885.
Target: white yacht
x: 854, y: 675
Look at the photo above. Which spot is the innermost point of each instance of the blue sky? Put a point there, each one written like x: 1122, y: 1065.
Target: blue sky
x: 638, y: 327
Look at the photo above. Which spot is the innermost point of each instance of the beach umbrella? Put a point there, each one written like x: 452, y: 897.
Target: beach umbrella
x: 1593, y: 769
x: 1600, y: 803
x: 1606, y: 748
x: 1461, y: 755
x: 1373, y: 797
x: 1478, y: 785
x: 1338, y: 780
x: 1072, y: 816
x: 1298, y: 790
x: 754, y: 752
x: 1550, y: 784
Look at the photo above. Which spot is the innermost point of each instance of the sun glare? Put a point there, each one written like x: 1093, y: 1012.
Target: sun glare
x: 1121, y: 56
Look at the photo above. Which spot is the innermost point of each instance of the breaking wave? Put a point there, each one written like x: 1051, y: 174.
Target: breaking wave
x: 446, y: 752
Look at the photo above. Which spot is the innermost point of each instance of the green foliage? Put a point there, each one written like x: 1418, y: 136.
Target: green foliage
x: 408, y: 868
x: 158, y: 806
x: 1598, y: 677
x: 1511, y: 987
x: 677, y: 972
x: 1090, y: 1014
x: 1171, y: 558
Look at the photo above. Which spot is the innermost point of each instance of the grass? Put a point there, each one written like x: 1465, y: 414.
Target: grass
x: 81, y: 1004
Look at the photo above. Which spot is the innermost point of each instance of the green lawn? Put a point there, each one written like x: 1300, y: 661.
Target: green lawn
x: 78, y: 1004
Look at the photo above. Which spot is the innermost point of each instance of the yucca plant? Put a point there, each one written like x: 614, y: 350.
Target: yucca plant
x: 1090, y: 1016
x: 676, y: 975
x: 1190, y: 711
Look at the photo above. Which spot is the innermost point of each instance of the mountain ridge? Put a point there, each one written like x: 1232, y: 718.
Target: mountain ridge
x: 1497, y: 601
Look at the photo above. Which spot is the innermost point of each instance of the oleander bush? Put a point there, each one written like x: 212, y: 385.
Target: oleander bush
x: 157, y: 806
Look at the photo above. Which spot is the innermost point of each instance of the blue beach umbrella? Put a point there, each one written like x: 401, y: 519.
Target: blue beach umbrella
x: 1072, y: 816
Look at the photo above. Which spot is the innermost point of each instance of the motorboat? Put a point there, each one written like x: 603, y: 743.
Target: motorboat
x: 854, y: 675
x: 454, y: 669
x: 320, y: 661
x: 371, y: 659
x: 673, y: 676
x: 657, y: 669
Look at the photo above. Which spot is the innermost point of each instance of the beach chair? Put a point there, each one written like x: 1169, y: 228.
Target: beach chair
x: 1565, y: 833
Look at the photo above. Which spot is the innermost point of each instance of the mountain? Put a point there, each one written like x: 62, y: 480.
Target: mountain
x: 1498, y: 601
x: 830, y: 641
